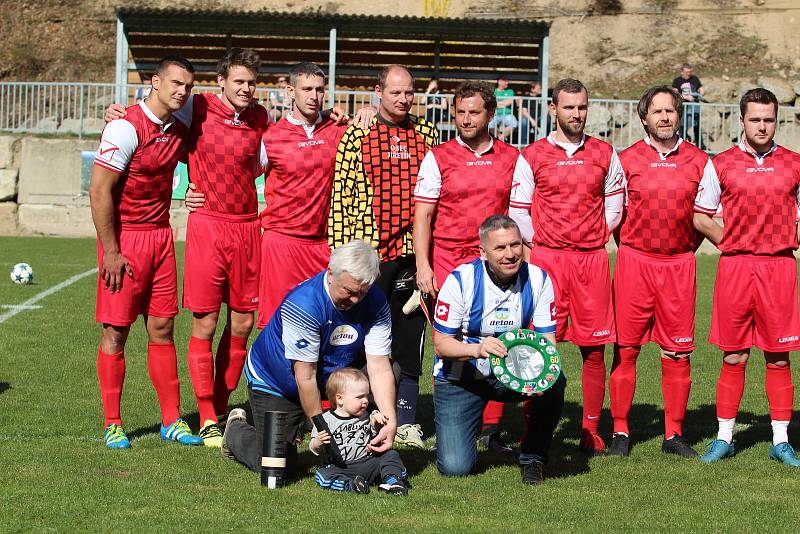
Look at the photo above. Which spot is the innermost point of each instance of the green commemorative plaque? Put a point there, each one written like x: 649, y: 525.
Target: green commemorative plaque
x: 532, y: 365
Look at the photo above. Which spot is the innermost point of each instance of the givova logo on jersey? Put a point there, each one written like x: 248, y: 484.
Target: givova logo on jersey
x: 343, y: 335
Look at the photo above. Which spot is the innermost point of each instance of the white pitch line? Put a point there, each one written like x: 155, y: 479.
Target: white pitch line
x: 46, y: 293
x: 19, y: 306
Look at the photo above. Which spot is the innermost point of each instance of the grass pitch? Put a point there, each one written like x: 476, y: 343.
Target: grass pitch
x: 58, y: 476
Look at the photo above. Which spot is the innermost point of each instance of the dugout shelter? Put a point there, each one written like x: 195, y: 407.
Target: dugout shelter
x: 351, y: 48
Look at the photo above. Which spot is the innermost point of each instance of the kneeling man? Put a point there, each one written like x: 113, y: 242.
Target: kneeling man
x: 477, y: 303
x: 322, y: 325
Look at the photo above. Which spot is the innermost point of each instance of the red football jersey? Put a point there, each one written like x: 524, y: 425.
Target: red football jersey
x: 224, y: 154
x: 760, y: 199
x: 568, y: 210
x: 145, y: 151
x: 468, y: 188
x: 299, y: 178
x: 661, y: 192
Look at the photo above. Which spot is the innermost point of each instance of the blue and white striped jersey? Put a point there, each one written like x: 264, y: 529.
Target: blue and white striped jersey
x: 307, y: 327
x: 471, y: 307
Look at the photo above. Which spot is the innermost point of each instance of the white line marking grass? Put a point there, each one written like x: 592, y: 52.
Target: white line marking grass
x: 29, y: 304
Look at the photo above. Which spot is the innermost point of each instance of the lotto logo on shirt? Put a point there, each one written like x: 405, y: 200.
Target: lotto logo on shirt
x: 442, y: 311
x: 553, y: 313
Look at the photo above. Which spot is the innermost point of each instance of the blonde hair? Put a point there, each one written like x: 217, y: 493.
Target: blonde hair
x: 339, y: 380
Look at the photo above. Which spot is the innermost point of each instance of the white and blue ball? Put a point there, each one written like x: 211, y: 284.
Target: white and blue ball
x: 22, y: 274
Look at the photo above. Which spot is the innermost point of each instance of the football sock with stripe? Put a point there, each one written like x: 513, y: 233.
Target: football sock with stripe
x: 231, y: 355
x: 407, y: 397
x: 780, y: 394
x: 162, y: 365
x: 593, y: 384
x: 676, y: 382
x: 622, y: 386
x: 111, y: 375
x: 201, y: 371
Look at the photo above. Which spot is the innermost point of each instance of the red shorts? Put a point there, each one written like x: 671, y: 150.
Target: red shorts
x: 445, y: 261
x: 153, y: 290
x: 285, y: 262
x: 755, y: 303
x: 654, y: 298
x: 582, y: 284
x: 221, y: 263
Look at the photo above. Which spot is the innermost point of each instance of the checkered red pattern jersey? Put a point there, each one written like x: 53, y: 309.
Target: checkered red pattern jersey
x: 661, y: 192
x: 760, y: 199
x: 472, y: 187
x: 299, y: 178
x: 376, y: 171
x: 224, y: 154
x: 568, y: 210
x: 145, y: 152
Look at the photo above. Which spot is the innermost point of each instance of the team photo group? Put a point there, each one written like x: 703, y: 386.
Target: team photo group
x: 373, y: 229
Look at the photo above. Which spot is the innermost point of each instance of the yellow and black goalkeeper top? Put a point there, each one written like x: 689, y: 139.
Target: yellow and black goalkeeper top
x: 373, y: 185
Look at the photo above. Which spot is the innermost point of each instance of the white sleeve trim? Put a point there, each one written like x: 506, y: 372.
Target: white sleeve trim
x: 378, y: 339
x: 429, y: 180
x: 522, y: 185
x: 709, y: 192
x: 615, y: 179
x: 522, y: 216
x: 117, y: 145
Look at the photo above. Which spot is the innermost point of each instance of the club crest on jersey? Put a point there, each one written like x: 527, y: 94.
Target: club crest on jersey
x: 313, y: 142
x: 343, y: 335
x: 569, y: 162
x: 442, y: 311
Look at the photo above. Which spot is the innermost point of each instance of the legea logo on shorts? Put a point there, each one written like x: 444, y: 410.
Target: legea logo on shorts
x: 683, y: 339
x: 343, y: 335
x: 601, y: 333
x: 788, y: 339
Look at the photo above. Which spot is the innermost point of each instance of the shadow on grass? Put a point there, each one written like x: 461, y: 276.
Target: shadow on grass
x: 4, y: 386
x: 757, y: 428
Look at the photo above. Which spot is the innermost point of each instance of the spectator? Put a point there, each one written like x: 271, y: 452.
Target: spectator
x: 692, y: 91
x: 504, y: 120
x: 435, y: 105
x: 278, y: 103
x: 143, y: 92
x: 529, y: 113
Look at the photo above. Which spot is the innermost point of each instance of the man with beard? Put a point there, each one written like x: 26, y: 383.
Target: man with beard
x: 376, y: 170
x: 577, y: 202
x: 654, y: 280
x: 461, y: 183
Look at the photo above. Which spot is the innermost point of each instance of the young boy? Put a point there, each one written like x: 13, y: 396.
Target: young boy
x: 350, y: 464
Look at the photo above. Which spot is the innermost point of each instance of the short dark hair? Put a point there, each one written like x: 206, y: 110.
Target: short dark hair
x: 759, y: 95
x: 649, y: 95
x: 502, y: 77
x: 238, y: 57
x: 384, y: 73
x: 174, y: 59
x: 494, y: 223
x: 568, y: 85
x: 472, y: 88
x: 686, y: 66
x: 306, y: 68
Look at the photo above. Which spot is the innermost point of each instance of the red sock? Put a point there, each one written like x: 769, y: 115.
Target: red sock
x: 729, y: 389
x: 231, y: 354
x: 162, y: 364
x: 201, y: 371
x: 622, y: 385
x: 492, y: 414
x: 780, y: 392
x: 676, y: 381
x: 593, y: 382
x: 111, y: 375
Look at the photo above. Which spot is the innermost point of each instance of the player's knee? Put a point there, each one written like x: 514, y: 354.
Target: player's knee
x: 735, y: 358
x: 113, y: 340
x: 242, y: 324
x: 778, y: 359
x: 454, y: 465
x: 675, y: 355
x: 204, y: 324
x: 160, y: 330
